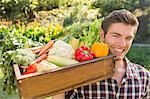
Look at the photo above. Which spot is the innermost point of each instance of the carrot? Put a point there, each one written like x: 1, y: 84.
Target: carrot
x: 46, y: 47
x: 46, y: 51
x: 35, y: 48
x: 36, y: 51
x: 40, y: 58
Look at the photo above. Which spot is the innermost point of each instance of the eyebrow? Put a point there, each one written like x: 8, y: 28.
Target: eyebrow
x: 120, y: 35
x: 116, y: 33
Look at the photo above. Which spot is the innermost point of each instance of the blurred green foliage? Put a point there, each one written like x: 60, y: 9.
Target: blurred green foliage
x: 26, y: 8
x: 107, y: 6
x: 140, y: 55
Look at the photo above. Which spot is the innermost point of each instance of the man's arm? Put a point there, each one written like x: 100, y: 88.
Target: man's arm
x: 147, y: 96
x: 59, y: 96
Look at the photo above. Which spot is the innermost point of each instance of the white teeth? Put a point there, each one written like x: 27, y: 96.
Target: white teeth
x: 119, y: 50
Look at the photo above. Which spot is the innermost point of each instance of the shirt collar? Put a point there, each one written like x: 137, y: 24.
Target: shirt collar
x: 131, y: 71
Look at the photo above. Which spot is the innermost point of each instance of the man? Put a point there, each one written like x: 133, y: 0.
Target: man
x: 130, y: 81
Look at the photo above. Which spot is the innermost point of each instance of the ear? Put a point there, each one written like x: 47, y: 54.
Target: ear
x: 102, y: 35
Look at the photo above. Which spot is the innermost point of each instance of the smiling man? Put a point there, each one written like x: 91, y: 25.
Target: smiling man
x: 130, y: 81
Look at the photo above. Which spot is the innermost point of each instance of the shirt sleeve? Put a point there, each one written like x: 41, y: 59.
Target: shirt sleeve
x: 147, y: 96
x: 148, y: 93
x: 70, y: 95
x: 73, y: 94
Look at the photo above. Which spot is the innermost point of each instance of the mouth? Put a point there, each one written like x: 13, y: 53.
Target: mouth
x: 118, y: 51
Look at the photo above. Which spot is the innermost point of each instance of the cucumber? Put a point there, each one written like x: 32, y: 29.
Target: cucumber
x: 45, y: 65
x: 60, y: 61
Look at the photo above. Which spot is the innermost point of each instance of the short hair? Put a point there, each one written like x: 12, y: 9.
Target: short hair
x: 120, y: 16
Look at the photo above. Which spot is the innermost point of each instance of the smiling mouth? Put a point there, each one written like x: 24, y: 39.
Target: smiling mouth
x: 119, y: 50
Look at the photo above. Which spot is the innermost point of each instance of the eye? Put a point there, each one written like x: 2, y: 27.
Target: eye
x: 129, y: 38
x: 116, y: 35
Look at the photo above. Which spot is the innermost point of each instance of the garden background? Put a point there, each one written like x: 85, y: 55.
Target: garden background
x: 30, y: 23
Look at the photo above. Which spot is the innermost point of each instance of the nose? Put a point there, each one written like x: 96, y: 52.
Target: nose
x: 122, y: 42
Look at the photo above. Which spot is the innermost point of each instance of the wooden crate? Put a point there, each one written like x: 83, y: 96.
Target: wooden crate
x: 41, y: 84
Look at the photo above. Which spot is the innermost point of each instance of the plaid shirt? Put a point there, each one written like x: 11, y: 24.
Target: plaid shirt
x: 135, y: 85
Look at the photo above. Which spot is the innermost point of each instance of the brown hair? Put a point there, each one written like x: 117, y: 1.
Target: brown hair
x: 120, y: 16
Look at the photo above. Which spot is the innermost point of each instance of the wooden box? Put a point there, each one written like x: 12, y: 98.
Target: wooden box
x: 41, y: 84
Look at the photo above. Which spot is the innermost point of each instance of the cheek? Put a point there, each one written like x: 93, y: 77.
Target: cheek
x: 109, y: 40
x: 129, y: 43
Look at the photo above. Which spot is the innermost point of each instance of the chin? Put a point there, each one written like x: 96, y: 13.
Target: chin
x: 120, y: 56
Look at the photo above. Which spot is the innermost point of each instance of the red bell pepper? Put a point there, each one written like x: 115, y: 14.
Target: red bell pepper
x: 30, y: 69
x: 83, y: 54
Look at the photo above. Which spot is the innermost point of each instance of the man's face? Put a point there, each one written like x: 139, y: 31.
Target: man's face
x: 119, y: 39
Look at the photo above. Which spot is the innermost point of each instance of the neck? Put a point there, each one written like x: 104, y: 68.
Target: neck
x: 120, y: 65
x: 120, y: 70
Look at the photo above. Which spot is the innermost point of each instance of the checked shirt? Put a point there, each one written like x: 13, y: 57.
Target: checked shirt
x: 135, y: 85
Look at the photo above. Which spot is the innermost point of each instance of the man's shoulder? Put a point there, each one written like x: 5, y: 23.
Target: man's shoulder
x: 143, y: 72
